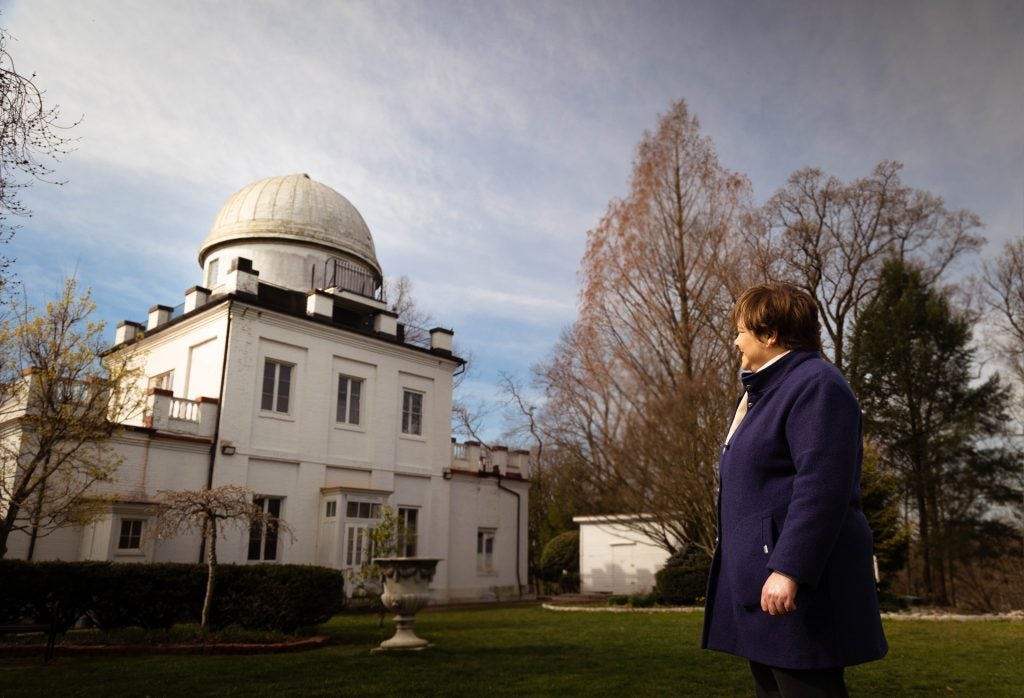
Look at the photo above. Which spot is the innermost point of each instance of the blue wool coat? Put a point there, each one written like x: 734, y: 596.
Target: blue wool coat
x: 789, y: 501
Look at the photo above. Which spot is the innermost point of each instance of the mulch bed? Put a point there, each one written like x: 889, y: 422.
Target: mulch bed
x: 70, y: 648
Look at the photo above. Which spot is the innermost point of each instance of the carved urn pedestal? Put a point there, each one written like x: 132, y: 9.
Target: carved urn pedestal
x: 406, y: 591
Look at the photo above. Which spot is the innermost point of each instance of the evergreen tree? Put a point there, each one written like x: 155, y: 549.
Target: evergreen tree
x: 880, y: 499
x: 913, y: 368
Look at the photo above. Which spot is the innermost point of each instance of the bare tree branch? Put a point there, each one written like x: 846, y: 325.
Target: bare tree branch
x: 639, y: 389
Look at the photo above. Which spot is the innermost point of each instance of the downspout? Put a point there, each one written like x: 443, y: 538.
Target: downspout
x: 216, y: 426
x: 519, y: 532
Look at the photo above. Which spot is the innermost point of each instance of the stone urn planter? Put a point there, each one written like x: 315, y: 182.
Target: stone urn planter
x: 406, y: 591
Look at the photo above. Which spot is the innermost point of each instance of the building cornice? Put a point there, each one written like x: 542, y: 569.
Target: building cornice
x: 324, y: 329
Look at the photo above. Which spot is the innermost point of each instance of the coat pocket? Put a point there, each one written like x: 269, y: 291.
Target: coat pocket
x: 769, y: 534
x: 745, y: 559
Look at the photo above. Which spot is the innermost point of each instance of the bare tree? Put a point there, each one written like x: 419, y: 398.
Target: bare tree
x: 640, y: 388
x: 1003, y: 286
x: 415, y: 320
x: 210, y: 512
x: 30, y: 135
x: 831, y: 239
x: 468, y: 415
x: 60, y: 402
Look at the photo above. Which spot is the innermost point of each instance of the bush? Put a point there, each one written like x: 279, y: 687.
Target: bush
x: 146, y: 595
x: 561, y: 554
x: 276, y: 597
x: 45, y: 592
x: 684, y: 579
x: 644, y: 600
x: 254, y: 597
x: 569, y: 583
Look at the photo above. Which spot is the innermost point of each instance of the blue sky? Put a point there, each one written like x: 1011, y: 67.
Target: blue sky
x: 481, y: 140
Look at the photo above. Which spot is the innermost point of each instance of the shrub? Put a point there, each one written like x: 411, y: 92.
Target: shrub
x: 684, y: 578
x: 44, y: 592
x: 146, y: 595
x: 13, y: 594
x: 644, y: 600
x: 254, y: 597
x: 561, y: 554
x: 276, y: 597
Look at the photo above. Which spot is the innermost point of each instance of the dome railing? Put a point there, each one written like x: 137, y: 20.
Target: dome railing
x: 342, y: 274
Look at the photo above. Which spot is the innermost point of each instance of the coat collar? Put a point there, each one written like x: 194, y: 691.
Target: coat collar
x: 757, y: 383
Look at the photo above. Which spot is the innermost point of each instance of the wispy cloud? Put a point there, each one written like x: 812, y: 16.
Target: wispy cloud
x: 481, y: 141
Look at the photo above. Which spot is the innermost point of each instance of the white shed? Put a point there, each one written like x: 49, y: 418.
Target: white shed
x: 615, y: 558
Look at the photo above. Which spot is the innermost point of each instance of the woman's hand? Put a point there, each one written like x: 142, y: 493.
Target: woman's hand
x: 778, y: 595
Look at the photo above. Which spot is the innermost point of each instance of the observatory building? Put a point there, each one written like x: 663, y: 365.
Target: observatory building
x: 287, y: 373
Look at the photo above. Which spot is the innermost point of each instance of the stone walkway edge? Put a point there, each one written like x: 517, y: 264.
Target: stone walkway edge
x: 912, y: 615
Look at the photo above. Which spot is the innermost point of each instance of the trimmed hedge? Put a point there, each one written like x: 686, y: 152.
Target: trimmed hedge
x: 148, y: 596
x: 684, y: 578
x: 256, y: 597
x: 276, y: 597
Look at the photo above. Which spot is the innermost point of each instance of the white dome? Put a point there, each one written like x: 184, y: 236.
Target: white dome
x: 293, y: 208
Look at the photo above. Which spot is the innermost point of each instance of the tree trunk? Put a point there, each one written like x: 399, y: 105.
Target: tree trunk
x: 7, y: 525
x: 938, y: 547
x: 36, y: 513
x: 923, y: 531
x: 211, y: 572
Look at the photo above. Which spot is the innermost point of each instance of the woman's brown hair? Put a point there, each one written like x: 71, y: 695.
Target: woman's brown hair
x: 782, y: 310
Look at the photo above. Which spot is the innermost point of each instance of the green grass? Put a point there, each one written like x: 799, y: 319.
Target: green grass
x: 528, y: 651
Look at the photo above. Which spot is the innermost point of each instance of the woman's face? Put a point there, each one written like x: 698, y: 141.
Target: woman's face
x: 755, y: 351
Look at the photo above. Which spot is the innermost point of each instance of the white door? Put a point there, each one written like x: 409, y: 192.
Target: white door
x: 624, y: 568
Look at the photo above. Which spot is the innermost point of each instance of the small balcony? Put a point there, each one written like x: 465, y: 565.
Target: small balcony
x: 474, y: 457
x: 167, y: 413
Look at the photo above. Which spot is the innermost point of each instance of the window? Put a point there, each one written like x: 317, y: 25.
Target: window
x: 485, y: 551
x: 277, y: 381
x: 212, y: 272
x: 263, y: 535
x: 408, y: 519
x: 163, y: 381
x: 349, y: 392
x: 363, y: 516
x: 358, y: 545
x: 131, y: 534
x: 363, y: 510
x: 332, y: 510
x: 412, y: 412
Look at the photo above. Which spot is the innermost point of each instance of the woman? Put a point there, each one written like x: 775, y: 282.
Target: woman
x: 792, y: 585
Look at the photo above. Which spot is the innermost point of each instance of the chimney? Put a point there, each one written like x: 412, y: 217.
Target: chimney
x: 386, y: 322
x: 242, y: 278
x: 158, y: 315
x: 319, y: 304
x: 127, y: 331
x: 441, y: 340
x: 196, y: 297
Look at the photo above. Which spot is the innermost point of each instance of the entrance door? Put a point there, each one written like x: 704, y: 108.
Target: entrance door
x: 623, y: 568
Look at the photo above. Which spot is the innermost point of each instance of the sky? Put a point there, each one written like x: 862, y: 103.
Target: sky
x: 481, y: 140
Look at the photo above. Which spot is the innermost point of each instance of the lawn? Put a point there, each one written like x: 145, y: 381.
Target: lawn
x: 529, y: 651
